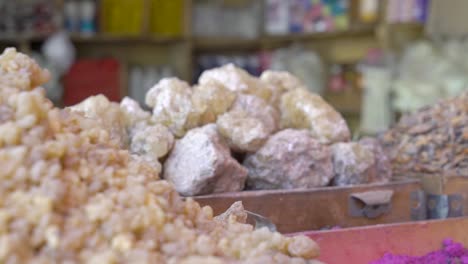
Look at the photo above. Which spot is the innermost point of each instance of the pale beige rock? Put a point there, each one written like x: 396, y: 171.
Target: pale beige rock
x: 257, y: 107
x: 243, y: 132
x: 154, y: 140
x: 171, y: 100
x: 212, y: 99
x: 352, y: 164
x: 237, y: 80
x: 146, y: 138
x: 236, y: 212
x: 280, y: 82
x: 133, y: 113
x: 382, y: 171
x: 151, y: 98
x: 302, y: 109
x: 107, y: 113
x: 289, y: 159
x: 201, y: 163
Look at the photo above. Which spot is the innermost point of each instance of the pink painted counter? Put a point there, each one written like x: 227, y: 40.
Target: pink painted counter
x: 366, y: 244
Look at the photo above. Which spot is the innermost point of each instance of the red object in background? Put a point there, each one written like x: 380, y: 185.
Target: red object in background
x: 265, y: 60
x: 89, y: 77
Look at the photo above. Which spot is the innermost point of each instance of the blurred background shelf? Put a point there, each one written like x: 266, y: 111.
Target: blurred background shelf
x: 163, y: 36
x: 221, y: 44
x: 116, y: 39
x: 351, y: 32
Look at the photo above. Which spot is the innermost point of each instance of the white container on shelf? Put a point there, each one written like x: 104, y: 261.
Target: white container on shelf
x: 277, y: 17
x: 376, y: 111
x: 87, y: 17
x: 136, y: 88
x: 152, y: 76
x: 72, y: 16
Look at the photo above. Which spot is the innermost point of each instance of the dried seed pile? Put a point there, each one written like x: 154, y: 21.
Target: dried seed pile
x: 431, y: 140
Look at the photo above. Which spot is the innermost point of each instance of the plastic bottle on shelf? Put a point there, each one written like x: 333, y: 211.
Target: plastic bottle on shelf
x: 151, y: 77
x: 376, y: 110
x: 277, y: 17
x: 136, y: 87
x: 88, y: 15
x: 421, y: 11
x: 297, y: 10
x: 72, y: 16
x: 368, y: 10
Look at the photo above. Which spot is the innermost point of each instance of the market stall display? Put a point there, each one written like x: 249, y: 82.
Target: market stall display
x: 233, y: 131
x: 434, y: 139
x: 272, y: 125
x: 322, y: 208
x: 71, y: 194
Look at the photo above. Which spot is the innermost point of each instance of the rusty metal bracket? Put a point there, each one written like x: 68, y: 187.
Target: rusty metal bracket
x: 444, y: 206
x: 371, y: 204
x: 418, y: 205
x: 435, y: 206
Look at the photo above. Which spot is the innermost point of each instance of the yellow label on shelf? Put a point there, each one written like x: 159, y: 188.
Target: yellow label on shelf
x: 167, y: 17
x: 123, y: 17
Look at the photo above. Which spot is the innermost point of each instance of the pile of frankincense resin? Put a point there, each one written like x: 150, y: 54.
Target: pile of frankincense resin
x: 72, y: 193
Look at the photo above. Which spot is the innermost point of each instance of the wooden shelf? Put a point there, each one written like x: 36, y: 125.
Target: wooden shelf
x: 406, y: 26
x: 352, y: 32
x: 269, y: 41
x: 105, y: 38
x: 100, y: 38
x: 226, y: 43
x: 14, y: 38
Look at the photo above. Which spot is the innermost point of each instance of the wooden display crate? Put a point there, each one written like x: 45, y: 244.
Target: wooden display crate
x: 321, y: 208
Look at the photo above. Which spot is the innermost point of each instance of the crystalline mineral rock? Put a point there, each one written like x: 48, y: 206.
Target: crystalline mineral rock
x: 70, y: 195
x: 154, y: 140
x: 382, y: 171
x: 258, y: 108
x: 280, y: 82
x: 243, y: 132
x: 302, y: 109
x: 289, y: 159
x: 212, y: 99
x: 352, y: 163
x: 201, y: 163
x: 237, y: 80
x: 133, y: 114
x: 108, y: 113
x: 146, y: 137
x: 171, y: 100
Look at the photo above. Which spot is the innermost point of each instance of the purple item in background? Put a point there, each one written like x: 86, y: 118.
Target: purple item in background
x: 451, y: 253
x: 423, y: 6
